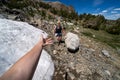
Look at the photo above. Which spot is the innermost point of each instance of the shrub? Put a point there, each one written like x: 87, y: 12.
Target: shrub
x: 113, y: 29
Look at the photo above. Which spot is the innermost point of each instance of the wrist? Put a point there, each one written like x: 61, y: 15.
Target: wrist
x: 40, y: 43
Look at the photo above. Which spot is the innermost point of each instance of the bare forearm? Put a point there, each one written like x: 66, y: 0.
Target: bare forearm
x: 25, y: 67
x: 28, y: 61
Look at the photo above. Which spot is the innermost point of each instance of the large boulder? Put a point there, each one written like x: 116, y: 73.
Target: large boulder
x: 3, y: 16
x: 72, y: 42
x: 16, y: 39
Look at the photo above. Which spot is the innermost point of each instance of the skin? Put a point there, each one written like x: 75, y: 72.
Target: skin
x: 25, y: 67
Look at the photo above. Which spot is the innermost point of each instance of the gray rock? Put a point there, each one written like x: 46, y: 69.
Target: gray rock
x: 72, y: 41
x: 108, y: 72
x: 71, y: 65
x: 106, y: 53
x: 94, y: 36
x: 70, y: 24
x: 118, y: 51
x: 54, y: 51
x: 16, y: 39
x: 117, y: 77
x: 71, y: 76
x: 11, y: 17
x: 92, y: 50
x: 3, y: 16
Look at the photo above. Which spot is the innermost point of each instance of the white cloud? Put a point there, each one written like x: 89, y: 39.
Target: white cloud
x: 94, y: 14
x: 113, y: 16
x: 117, y: 15
x: 109, y: 16
x: 113, y: 12
x: 97, y: 10
x: 109, y: 13
x: 117, y: 9
x: 97, y: 2
x: 101, y: 13
x: 104, y: 11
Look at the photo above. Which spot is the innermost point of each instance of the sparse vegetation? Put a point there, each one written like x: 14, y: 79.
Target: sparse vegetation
x: 96, y: 22
x: 44, y: 5
x: 99, y: 31
x: 110, y: 39
x: 43, y: 13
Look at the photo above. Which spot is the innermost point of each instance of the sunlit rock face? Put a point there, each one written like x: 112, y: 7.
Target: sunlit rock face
x: 16, y: 39
x: 72, y: 42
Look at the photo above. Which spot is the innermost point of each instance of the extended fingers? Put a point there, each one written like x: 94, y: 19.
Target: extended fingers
x: 49, y: 41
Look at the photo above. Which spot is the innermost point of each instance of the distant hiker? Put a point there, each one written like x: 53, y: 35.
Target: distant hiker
x: 58, y: 30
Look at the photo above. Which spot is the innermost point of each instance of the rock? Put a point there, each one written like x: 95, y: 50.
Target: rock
x: 72, y: 42
x: 106, y: 53
x: 11, y: 17
x: 65, y: 53
x: 13, y: 11
x: 20, y: 17
x: 117, y: 76
x: 118, y: 51
x: 52, y: 23
x: 55, y: 73
x: 3, y: 16
x: 86, y: 45
x: 67, y: 70
x: 34, y: 24
x: 100, y: 55
x: 94, y: 36
x: 60, y: 72
x: 91, y: 50
x: 16, y: 39
x: 63, y: 76
x: 54, y: 52
x: 77, y: 28
x: 89, y: 40
x: 71, y: 76
x: 71, y: 65
x: 70, y: 24
x: 108, y: 72
x: 83, y: 69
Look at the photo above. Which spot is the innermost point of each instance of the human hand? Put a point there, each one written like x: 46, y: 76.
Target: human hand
x: 46, y: 41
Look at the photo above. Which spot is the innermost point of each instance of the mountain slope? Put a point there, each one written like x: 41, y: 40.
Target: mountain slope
x: 90, y: 62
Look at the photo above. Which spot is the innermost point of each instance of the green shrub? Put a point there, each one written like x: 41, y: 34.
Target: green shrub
x: 53, y: 10
x: 113, y: 30
x: 44, y: 5
x: 50, y: 17
x: 18, y: 4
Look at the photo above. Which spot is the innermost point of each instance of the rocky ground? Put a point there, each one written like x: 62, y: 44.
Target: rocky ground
x: 93, y: 61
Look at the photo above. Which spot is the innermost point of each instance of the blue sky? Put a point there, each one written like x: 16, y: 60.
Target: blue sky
x: 109, y: 8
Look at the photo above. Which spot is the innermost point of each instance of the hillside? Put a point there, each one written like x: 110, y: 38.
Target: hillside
x: 98, y: 57
x: 59, y: 5
x: 46, y: 10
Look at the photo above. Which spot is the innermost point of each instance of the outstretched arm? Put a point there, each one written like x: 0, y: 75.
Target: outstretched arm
x: 25, y: 67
